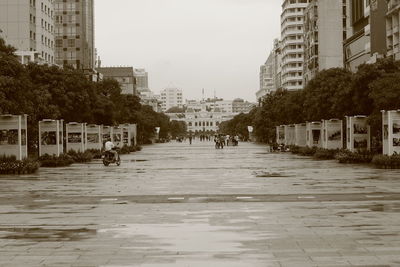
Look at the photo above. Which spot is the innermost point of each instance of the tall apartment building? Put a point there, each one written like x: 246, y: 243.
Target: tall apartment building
x: 142, y: 80
x: 392, y: 29
x: 323, y: 36
x: 28, y: 25
x: 74, y: 31
x: 292, y: 38
x: 366, y: 32
x: 171, y: 97
x: 266, y: 77
x: 124, y: 75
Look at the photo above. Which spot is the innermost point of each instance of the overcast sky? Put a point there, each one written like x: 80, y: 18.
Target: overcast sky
x: 190, y: 44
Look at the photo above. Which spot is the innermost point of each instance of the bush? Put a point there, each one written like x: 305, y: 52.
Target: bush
x: 10, y: 165
x: 128, y: 149
x: 387, y: 162
x: 346, y: 156
x: 294, y: 149
x: 325, y: 154
x: 54, y: 161
x: 307, y: 151
x: 96, y: 153
x: 80, y: 157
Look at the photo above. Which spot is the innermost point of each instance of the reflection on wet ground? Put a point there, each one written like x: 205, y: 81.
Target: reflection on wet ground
x: 181, y: 205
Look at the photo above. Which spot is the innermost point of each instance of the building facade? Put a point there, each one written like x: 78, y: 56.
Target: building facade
x: 202, y: 122
x: 241, y: 106
x: 142, y: 80
x: 323, y: 36
x: 392, y: 29
x: 124, y: 75
x: 28, y: 25
x: 267, y: 77
x: 171, y: 97
x: 292, y: 43
x: 365, y: 32
x: 74, y: 31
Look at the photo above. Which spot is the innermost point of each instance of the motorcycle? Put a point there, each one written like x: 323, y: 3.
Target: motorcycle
x: 108, y: 158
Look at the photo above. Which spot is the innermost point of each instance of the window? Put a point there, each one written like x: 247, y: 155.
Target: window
x: 59, y: 43
x: 71, y: 42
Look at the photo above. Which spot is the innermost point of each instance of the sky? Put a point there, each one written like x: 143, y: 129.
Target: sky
x: 217, y: 45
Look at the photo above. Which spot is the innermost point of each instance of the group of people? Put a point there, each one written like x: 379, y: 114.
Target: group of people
x: 220, y: 140
x: 225, y: 140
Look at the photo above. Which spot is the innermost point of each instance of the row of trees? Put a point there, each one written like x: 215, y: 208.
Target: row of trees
x: 49, y: 92
x: 333, y: 93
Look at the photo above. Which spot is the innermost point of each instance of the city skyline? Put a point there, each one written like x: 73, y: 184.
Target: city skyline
x: 195, y: 54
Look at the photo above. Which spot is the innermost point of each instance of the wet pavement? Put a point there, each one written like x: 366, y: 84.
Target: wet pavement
x: 180, y: 205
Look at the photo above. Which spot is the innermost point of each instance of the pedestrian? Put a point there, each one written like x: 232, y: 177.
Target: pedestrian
x: 190, y: 139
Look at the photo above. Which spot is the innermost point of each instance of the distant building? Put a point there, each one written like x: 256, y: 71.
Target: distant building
x: 365, y: 32
x: 74, y: 31
x: 142, y: 80
x: 392, y: 29
x: 241, y: 106
x: 124, y: 75
x: 323, y: 37
x: 202, y: 122
x: 267, y: 77
x: 292, y: 36
x: 28, y: 25
x: 171, y: 97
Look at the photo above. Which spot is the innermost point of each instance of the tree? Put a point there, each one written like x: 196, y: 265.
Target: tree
x: 175, y: 110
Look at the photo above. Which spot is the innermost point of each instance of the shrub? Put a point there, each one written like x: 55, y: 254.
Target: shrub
x: 325, y: 154
x: 54, y: 161
x: 80, y: 157
x: 346, y: 156
x: 307, y: 151
x: 10, y: 165
x: 96, y: 153
x: 294, y: 149
x: 128, y: 149
x: 387, y: 162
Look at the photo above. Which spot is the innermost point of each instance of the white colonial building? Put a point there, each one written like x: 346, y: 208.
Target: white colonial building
x: 203, y: 121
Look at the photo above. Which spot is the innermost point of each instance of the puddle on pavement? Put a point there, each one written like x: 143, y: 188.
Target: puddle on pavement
x: 139, y: 160
x: 265, y: 174
x: 38, y: 234
x: 185, y: 237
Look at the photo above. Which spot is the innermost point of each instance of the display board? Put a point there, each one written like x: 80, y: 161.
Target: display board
x: 94, y: 137
x: 385, y: 132
x: 126, y: 134
x: 133, y: 128
x: 300, y: 134
x: 313, y: 134
x: 75, y: 136
x: 117, y: 136
x: 358, y: 133
x: 332, y: 134
x: 289, y: 132
x: 391, y: 131
x: 13, y: 136
x: 51, y: 137
x: 280, y: 134
x: 106, y: 133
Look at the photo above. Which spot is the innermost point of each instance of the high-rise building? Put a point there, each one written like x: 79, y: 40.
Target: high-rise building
x: 171, y: 97
x: 124, y: 75
x: 323, y: 36
x: 365, y: 32
x: 292, y: 36
x: 267, y: 77
x: 142, y: 80
x: 74, y: 31
x: 392, y: 29
x: 28, y: 25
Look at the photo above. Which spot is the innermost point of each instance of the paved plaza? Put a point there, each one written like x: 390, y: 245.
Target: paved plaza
x: 180, y: 205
